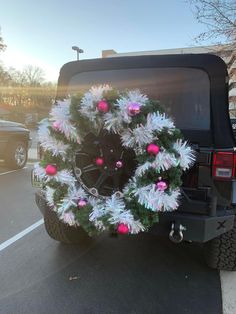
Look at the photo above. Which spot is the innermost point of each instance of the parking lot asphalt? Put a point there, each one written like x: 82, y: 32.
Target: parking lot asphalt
x: 135, y: 275
x: 17, y: 206
x: 128, y: 274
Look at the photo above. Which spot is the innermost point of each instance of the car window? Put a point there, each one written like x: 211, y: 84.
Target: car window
x: 185, y: 92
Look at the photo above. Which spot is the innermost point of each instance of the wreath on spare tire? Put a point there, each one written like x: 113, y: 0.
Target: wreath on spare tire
x: 111, y: 161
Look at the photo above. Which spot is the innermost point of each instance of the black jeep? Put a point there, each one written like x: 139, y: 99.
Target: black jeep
x: 194, y: 90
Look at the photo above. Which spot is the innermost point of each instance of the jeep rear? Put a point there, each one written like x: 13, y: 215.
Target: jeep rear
x: 194, y: 91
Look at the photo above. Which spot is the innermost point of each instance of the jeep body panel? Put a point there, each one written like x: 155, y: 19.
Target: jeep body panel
x: 206, y: 208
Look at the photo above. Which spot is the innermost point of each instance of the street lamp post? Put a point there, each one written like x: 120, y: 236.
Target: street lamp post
x: 78, y: 50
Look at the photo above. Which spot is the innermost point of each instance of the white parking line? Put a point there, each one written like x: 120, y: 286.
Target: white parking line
x: 20, y: 235
x: 1, y: 174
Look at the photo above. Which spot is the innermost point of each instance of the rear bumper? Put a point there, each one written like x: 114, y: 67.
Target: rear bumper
x: 198, y: 227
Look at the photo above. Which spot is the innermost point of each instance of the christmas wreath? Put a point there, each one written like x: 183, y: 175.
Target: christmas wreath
x: 111, y: 161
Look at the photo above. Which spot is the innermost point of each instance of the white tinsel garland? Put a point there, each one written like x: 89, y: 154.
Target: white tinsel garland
x: 97, y: 213
x: 49, y: 193
x: 133, y: 96
x: 126, y: 217
x: 49, y: 143
x: 89, y: 100
x: 156, y: 200
x: 64, y: 176
x: 144, y: 134
x: 163, y: 161
x: 186, y: 154
x: 157, y: 122
x: 115, y: 208
x: 69, y: 218
x: 60, y: 115
x: 114, y: 121
x: 140, y: 170
x: 61, y: 110
x: 137, y: 137
x: 71, y: 199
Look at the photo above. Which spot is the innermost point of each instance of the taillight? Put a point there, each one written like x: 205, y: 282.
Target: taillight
x: 224, y: 165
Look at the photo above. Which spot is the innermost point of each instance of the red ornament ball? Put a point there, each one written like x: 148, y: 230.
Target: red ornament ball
x: 153, y: 149
x: 51, y: 170
x: 99, y: 161
x: 103, y: 106
x: 82, y: 203
x: 122, y: 229
x: 133, y: 109
x: 161, y: 186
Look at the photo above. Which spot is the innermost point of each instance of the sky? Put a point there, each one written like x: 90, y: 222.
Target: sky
x: 41, y: 33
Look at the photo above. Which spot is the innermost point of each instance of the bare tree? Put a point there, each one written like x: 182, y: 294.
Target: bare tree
x: 26, y: 91
x: 5, y: 77
x: 33, y: 75
x: 219, y: 17
x: 2, y: 45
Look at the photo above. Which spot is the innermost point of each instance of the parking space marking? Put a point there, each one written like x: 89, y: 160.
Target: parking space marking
x: 1, y: 174
x: 20, y: 235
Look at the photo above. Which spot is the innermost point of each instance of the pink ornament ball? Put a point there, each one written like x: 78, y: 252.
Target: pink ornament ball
x: 153, y: 149
x: 51, y: 170
x: 119, y: 164
x: 56, y: 125
x: 122, y: 229
x: 133, y: 109
x: 161, y: 186
x: 82, y: 203
x: 103, y: 106
x: 99, y: 161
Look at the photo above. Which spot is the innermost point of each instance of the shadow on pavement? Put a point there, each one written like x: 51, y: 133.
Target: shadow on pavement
x: 140, y: 274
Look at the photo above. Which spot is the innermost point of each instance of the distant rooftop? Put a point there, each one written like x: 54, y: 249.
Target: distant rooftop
x: 201, y: 49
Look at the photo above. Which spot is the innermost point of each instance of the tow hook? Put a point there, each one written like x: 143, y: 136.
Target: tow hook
x: 176, y: 232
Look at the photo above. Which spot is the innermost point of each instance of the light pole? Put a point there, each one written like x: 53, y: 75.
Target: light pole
x: 78, y: 50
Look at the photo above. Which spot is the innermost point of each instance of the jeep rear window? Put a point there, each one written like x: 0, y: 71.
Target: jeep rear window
x: 185, y: 92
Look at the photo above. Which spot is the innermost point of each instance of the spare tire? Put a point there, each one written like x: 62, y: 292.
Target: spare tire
x: 62, y: 232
